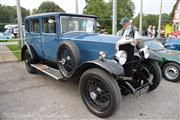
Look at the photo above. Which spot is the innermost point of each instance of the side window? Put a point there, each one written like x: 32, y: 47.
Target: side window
x: 49, y: 25
x: 35, y: 25
x: 27, y: 26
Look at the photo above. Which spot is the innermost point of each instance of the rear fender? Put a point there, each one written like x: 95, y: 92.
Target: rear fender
x: 31, y: 50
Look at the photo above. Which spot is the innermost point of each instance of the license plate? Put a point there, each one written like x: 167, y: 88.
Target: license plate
x: 141, y: 91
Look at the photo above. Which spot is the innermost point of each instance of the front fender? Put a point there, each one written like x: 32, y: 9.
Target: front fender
x: 154, y: 56
x: 109, y: 66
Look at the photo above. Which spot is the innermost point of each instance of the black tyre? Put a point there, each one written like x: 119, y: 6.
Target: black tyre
x: 68, y: 58
x: 28, y: 61
x: 100, y: 92
x: 148, y: 71
x: 171, y: 71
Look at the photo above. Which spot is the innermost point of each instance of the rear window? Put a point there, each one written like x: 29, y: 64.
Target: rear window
x: 35, y: 25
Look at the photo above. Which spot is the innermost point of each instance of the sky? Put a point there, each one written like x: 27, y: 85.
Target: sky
x: 149, y: 6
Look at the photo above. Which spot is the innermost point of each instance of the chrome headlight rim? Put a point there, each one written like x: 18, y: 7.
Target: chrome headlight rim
x: 121, y: 56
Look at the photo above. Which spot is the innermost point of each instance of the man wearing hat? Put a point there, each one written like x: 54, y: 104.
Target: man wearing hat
x: 128, y: 30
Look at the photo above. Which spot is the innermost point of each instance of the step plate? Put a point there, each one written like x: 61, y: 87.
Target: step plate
x: 48, y: 70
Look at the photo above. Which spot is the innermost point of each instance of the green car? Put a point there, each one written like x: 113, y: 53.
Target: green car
x: 170, y: 63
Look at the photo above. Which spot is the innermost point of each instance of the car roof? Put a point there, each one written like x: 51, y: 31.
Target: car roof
x: 59, y: 13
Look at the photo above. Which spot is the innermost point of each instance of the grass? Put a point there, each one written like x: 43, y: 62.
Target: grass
x: 9, y: 40
x: 15, y: 48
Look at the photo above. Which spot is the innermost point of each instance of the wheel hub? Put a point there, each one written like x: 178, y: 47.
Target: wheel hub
x: 93, y: 95
x: 63, y: 61
x: 171, y: 72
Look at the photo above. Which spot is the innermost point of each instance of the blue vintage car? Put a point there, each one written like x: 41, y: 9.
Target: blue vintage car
x: 172, y: 43
x: 67, y: 47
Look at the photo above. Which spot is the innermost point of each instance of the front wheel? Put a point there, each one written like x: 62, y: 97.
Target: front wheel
x: 171, y: 72
x: 100, y: 92
x: 148, y: 71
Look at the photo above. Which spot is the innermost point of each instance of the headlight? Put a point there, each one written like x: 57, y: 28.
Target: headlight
x: 145, y: 51
x: 102, y: 55
x: 121, y: 56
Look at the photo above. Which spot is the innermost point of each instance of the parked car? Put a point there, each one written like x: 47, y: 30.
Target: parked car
x: 6, y: 35
x: 105, y: 65
x: 172, y: 43
x: 170, y: 64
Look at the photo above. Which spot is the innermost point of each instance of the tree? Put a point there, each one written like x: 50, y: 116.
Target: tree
x: 8, y: 15
x: 150, y: 20
x: 48, y: 7
x: 103, y: 11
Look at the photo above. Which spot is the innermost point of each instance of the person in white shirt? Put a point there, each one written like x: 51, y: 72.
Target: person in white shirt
x: 149, y: 31
x: 128, y: 30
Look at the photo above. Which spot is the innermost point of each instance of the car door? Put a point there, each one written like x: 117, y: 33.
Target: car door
x: 50, y: 37
x: 36, y: 41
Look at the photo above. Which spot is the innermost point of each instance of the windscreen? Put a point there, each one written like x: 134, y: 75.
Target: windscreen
x: 78, y: 24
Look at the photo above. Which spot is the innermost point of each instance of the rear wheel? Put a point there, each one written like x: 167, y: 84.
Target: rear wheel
x: 171, y: 72
x: 28, y: 61
x: 148, y: 71
x: 100, y: 92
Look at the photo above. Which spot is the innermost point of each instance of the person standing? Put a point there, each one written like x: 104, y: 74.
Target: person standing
x: 149, y: 31
x: 128, y: 30
x: 154, y: 32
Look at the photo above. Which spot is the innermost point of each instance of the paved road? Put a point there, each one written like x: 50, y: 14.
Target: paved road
x: 26, y: 96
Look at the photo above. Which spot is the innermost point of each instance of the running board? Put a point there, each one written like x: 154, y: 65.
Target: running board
x: 48, y: 70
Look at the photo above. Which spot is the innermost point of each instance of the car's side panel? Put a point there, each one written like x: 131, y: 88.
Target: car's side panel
x: 50, y: 42
x: 35, y: 38
x: 90, y: 50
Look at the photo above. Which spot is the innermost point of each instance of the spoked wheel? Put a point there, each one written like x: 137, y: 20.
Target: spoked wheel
x: 100, y: 92
x: 171, y: 72
x: 67, y: 61
x: 69, y: 58
x: 147, y: 71
x: 28, y: 61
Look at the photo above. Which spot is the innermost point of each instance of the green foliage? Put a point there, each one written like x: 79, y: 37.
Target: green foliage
x: 8, y: 15
x: 48, y: 7
x: 103, y: 11
x: 17, y: 49
x: 150, y: 20
x: 98, y: 8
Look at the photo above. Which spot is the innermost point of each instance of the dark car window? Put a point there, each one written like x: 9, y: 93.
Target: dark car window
x: 35, y: 25
x: 27, y: 26
x: 154, y: 45
x: 49, y: 25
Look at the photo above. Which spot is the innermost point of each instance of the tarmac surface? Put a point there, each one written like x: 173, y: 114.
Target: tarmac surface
x: 39, y: 97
